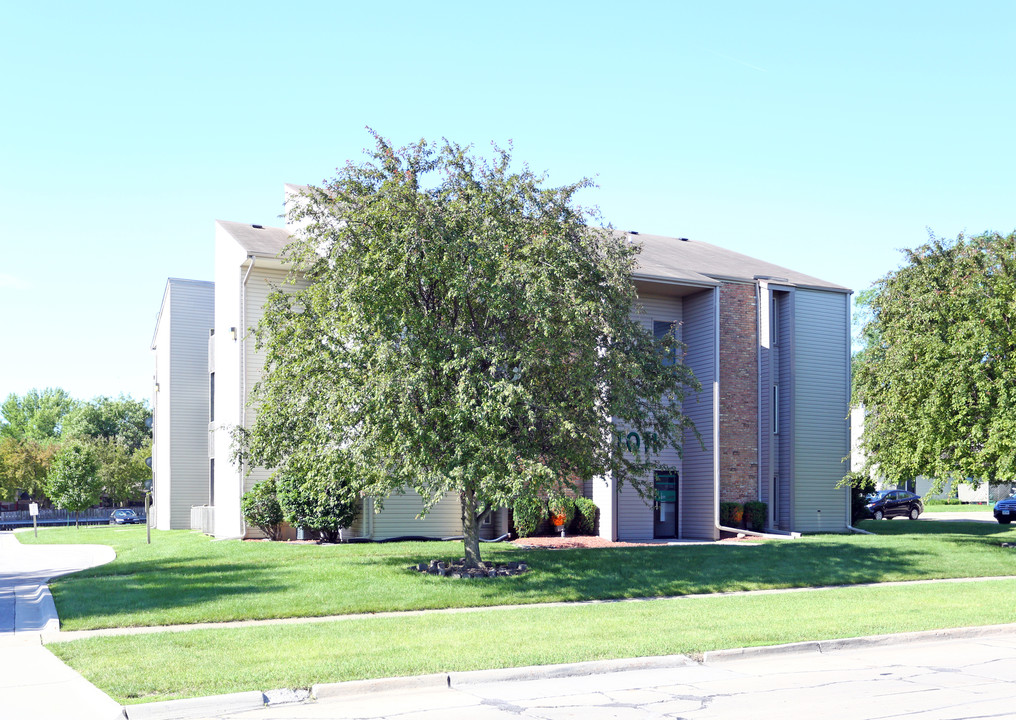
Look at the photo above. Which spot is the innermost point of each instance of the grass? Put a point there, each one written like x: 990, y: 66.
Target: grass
x: 141, y: 668
x: 184, y: 577
x: 962, y: 507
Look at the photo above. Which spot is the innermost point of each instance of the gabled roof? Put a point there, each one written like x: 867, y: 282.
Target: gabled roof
x: 257, y: 239
x: 663, y: 258
x: 667, y: 258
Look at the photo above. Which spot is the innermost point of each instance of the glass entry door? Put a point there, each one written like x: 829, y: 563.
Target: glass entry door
x: 665, y: 505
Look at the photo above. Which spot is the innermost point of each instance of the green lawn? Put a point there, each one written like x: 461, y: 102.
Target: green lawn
x: 964, y: 507
x: 185, y: 577
x: 165, y: 665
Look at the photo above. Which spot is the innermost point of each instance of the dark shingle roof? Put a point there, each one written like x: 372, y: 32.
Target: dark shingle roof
x: 677, y: 259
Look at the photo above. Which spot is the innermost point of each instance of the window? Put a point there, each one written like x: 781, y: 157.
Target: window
x: 211, y: 397
x: 776, y: 409
x: 660, y: 330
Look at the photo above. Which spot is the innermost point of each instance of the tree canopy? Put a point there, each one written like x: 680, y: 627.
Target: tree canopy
x: 465, y: 329
x: 37, y: 416
x: 120, y: 419
x: 937, y: 377
x: 74, y: 483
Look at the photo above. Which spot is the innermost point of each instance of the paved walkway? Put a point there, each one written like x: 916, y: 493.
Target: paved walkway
x: 34, y: 684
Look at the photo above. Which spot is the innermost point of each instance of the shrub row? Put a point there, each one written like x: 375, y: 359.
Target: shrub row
x: 750, y: 515
x: 535, y: 515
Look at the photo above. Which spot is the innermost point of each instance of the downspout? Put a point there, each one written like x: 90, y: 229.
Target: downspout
x: 740, y: 532
x: 243, y: 374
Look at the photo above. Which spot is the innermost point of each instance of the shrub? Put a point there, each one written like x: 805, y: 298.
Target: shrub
x: 730, y: 514
x: 260, y: 506
x: 755, y: 514
x: 562, y: 505
x: 316, y: 505
x: 585, y: 517
x: 529, y: 514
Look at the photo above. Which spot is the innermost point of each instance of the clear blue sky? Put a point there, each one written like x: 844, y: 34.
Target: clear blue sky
x: 819, y: 137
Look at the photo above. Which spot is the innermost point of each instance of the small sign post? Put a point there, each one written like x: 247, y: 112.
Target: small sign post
x: 33, y: 510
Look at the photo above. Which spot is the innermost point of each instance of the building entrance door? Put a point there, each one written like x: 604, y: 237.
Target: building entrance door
x: 665, y: 505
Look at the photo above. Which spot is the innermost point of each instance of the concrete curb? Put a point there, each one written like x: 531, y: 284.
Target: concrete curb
x: 824, y: 646
x: 475, y: 677
x: 34, y: 610
x: 201, y: 707
x: 239, y: 702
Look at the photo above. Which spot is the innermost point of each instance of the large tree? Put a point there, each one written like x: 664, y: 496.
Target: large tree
x: 24, y: 464
x: 121, y: 419
x: 74, y: 482
x: 465, y: 329
x: 937, y: 377
x: 38, y: 416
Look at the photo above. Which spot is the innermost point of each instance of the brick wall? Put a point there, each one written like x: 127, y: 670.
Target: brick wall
x: 738, y: 393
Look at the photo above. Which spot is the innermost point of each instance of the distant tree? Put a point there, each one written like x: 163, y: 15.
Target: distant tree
x: 24, y: 465
x: 123, y: 472
x: 37, y: 416
x: 937, y: 377
x: 260, y: 508
x: 74, y: 483
x: 466, y: 329
x: 120, y: 419
x: 315, y: 504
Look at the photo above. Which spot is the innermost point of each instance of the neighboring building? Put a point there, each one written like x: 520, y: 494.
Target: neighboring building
x: 181, y: 402
x: 770, y: 346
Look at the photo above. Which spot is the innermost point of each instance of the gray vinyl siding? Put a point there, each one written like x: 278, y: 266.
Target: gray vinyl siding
x: 635, y: 513
x: 697, y: 477
x: 821, y: 399
x: 399, y: 517
x: 191, y: 317
x: 785, y: 373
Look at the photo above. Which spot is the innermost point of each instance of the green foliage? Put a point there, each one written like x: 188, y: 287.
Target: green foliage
x: 260, y: 507
x: 74, y: 483
x: 123, y: 472
x: 464, y: 329
x: 562, y: 505
x: 585, y: 517
x: 731, y: 514
x: 36, y: 416
x: 943, y: 501
x: 861, y: 485
x: 755, y: 514
x: 24, y: 465
x: 316, y: 505
x: 529, y: 514
x: 120, y: 419
x: 938, y: 375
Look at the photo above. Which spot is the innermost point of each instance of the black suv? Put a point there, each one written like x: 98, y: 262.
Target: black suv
x: 892, y: 503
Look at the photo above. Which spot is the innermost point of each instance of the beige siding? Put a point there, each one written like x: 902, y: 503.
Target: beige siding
x: 182, y: 403
x: 399, y: 517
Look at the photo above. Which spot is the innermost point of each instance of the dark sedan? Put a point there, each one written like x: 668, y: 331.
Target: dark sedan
x: 124, y: 517
x: 1005, y: 510
x: 895, y: 503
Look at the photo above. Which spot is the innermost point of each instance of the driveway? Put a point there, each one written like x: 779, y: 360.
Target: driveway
x: 952, y: 516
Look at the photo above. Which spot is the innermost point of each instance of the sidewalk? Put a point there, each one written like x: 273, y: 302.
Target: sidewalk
x: 33, y: 682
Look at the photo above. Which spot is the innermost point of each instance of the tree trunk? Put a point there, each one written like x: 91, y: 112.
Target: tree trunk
x: 470, y: 529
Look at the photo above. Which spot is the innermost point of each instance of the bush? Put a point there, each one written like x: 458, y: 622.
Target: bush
x: 562, y: 505
x: 585, y: 517
x: 731, y: 514
x: 946, y: 501
x: 316, y: 505
x: 260, y: 506
x: 755, y: 515
x: 529, y: 514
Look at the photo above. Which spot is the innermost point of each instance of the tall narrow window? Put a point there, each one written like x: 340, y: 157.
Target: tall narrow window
x: 660, y: 331
x: 774, y: 321
x: 211, y: 397
x: 776, y: 409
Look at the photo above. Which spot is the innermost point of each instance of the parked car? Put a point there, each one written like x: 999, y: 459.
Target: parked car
x: 124, y: 516
x: 1005, y: 510
x: 893, y: 503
